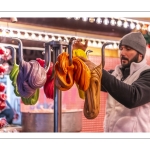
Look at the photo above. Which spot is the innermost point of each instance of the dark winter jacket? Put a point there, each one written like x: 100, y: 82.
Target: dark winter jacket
x: 129, y: 95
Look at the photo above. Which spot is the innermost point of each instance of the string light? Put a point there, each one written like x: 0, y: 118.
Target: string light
x: 138, y: 27
x: 18, y: 34
x: 110, y: 46
x: 53, y: 38
x: 66, y: 39
x: 11, y: 33
x: 85, y: 18
x: 98, y: 20
x: 33, y: 36
x: 115, y: 46
x: 99, y: 44
x: 132, y: 25
x: 119, y: 23
x: 3, y: 32
x: 91, y: 20
x: 89, y: 43
x: 77, y: 18
x: 59, y: 38
x: 125, y: 24
x: 26, y: 35
x: 46, y: 37
x: 113, y: 22
x: 40, y: 37
x: 106, y: 21
x: 94, y: 44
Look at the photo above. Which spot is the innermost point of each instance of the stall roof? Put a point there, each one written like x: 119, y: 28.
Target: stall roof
x: 67, y: 25
x: 74, y: 25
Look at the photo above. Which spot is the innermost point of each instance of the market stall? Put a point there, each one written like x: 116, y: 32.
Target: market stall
x: 52, y: 113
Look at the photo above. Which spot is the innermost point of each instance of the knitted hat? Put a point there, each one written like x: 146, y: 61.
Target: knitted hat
x: 134, y: 40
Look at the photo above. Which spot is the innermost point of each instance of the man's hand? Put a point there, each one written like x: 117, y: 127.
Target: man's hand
x: 90, y: 64
x: 79, y: 45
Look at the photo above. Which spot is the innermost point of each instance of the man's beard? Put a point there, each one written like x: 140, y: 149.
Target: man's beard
x: 134, y: 59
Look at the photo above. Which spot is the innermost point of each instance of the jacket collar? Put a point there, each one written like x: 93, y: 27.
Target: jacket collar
x: 133, y: 68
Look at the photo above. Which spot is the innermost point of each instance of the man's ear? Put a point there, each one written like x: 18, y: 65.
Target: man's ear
x: 141, y: 57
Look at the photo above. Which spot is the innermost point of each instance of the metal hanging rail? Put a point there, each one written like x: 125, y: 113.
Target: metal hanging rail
x: 103, y: 53
x: 13, y: 50
x: 57, y: 47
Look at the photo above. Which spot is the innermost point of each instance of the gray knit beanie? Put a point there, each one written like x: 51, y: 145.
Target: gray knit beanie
x: 134, y: 40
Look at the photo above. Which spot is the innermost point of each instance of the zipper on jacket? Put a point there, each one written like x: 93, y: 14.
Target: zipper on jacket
x: 110, y: 118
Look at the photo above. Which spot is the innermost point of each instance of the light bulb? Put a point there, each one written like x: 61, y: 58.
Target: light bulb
x: 3, y: 32
x: 110, y: 46
x: 99, y: 44
x: 85, y: 19
x: 98, y: 20
x: 33, y: 36
x: 119, y: 23
x: 107, y: 46
x: 18, y: 34
x: 53, y: 38
x: 138, y: 27
x: 132, y: 25
x: 115, y: 46
x: 26, y: 35
x: 106, y: 21
x: 94, y: 44
x: 59, y: 38
x: 46, y: 37
x: 7, y: 31
x: 89, y: 43
x: 77, y: 18
x: 11, y: 33
x: 91, y: 20
x: 66, y: 39
x: 125, y: 25
x: 112, y: 22
x: 40, y: 37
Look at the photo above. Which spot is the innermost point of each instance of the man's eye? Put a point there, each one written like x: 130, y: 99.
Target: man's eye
x: 128, y: 48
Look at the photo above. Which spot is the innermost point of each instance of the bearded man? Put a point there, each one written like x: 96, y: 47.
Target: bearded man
x: 128, y: 87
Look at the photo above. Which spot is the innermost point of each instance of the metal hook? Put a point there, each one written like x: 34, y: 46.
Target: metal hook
x: 13, y: 53
x: 87, y: 52
x: 103, y: 53
x: 20, y: 49
x: 47, y: 57
x: 70, y: 49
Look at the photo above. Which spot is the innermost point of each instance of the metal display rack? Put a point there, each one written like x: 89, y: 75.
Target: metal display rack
x: 57, y: 47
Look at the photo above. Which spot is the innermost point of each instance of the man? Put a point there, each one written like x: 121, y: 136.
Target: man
x: 128, y: 87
